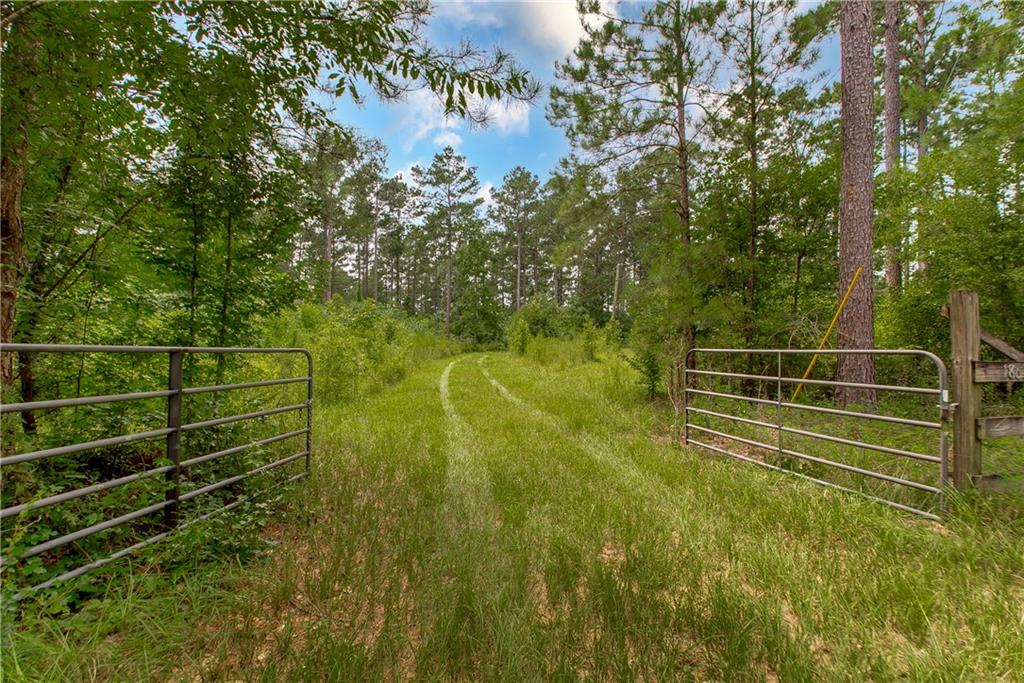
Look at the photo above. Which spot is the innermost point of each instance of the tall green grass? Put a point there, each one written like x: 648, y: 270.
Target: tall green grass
x: 534, y: 522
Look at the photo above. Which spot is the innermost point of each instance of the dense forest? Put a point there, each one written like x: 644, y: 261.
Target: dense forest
x: 165, y: 182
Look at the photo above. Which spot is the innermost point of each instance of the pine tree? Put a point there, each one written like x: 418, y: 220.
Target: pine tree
x: 856, y: 323
x: 630, y: 87
x: 450, y: 188
x: 515, y: 208
x: 893, y: 268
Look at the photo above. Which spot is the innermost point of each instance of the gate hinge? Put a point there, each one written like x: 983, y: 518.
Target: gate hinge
x: 949, y: 409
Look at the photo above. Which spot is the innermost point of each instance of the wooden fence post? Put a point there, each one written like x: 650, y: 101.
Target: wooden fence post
x: 965, y: 339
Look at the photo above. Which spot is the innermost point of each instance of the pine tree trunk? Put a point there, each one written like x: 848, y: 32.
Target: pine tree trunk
x: 856, y: 323
x: 615, y: 292
x: 396, y: 282
x: 683, y: 169
x: 329, y: 259
x: 519, y: 268
x: 448, y: 275
x: 193, y: 277
x: 225, y: 297
x: 922, y: 119
x: 750, y: 287
x: 448, y: 294
x: 893, y: 268
x: 412, y: 280
x: 365, y: 275
x: 376, y: 273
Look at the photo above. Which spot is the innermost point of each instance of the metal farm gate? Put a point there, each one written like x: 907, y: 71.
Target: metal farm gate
x: 172, y: 430
x: 731, y: 411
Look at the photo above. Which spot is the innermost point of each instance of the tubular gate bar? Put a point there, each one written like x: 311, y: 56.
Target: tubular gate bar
x: 940, y: 391
x: 173, y: 431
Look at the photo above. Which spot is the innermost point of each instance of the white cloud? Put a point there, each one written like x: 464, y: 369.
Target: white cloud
x: 421, y: 115
x: 462, y: 13
x: 551, y: 27
x: 486, y: 193
x: 509, y: 118
x: 448, y: 138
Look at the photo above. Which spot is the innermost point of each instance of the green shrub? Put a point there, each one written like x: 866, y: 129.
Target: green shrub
x: 588, y: 340
x: 478, y: 317
x: 554, y: 351
x: 518, y: 335
x: 570, y: 320
x: 542, y: 317
x: 646, y: 362
x: 613, y: 334
x: 358, y: 348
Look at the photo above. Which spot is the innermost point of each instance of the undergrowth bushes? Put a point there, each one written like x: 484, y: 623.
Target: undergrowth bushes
x: 549, y: 335
x: 561, y: 353
x: 518, y: 335
x: 358, y: 348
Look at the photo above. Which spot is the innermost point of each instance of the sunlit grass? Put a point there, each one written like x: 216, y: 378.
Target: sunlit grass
x: 545, y: 527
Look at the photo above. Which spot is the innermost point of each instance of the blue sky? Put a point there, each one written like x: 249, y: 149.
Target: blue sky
x: 538, y: 34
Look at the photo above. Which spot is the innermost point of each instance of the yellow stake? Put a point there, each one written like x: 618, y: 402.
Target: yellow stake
x: 828, y: 333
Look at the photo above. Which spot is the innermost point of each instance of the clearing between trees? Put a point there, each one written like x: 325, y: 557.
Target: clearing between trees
x: 491, y: 517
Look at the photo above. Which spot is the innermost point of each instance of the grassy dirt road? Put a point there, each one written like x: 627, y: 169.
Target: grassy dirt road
x: 491, y: 518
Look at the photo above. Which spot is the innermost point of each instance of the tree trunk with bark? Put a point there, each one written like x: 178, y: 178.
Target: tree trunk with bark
x: 922, y: 119
x: 922, y: 39
x: 856, y: 323
x: 754, y: 183
x: 225, y: 297
x: 519, y: 268
x: 893, y: 268
x: 12, y: 246
x: 683, y: 168
x: 448, y: 277
x: 19, y: 66
x: 396, y: 282
x: 412, y: 281
x: 615, y: 291
x: 329, y: 257
x: 689, y: 332
x: 375, y: 270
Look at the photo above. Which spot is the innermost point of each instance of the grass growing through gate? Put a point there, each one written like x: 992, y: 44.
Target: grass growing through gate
x: 914, y: 439
x: 499, y: 518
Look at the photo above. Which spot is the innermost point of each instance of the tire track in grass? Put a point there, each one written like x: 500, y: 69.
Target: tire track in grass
x: 678, y: 509
x: 506, y: 393
x: 686, y: 600
x: 476, y: 622
x: 708, y: 580
x: 580, y: 579
x: 669, y: 502
x: 467, y: 487
x: 672, y: 505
